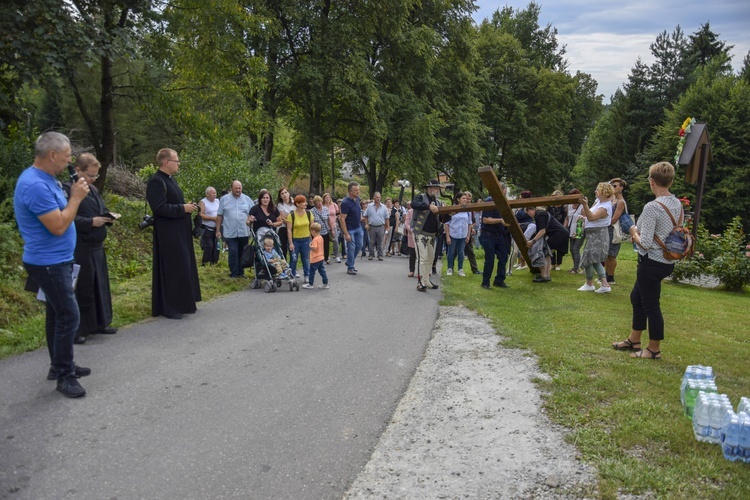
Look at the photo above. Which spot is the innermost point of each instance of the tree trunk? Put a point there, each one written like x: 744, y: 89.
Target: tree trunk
x: 106, y: 153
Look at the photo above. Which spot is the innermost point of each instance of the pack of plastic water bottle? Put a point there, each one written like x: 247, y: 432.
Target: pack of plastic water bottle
x: 735, y: 435
x: 708, y: 416
x: 697, y: 378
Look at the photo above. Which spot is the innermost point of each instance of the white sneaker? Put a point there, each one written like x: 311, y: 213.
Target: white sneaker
x: 587, y: 288
x: 461, y: 272
x: 604, y: 289
x: 557, y: 268
x: 324, y: 287
x: 338, y: 260
x: 307, y: 286
x: 449, y: 272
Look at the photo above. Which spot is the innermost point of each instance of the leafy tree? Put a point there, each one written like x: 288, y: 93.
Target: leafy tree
x: 62, y: 37
x: 722, y: 101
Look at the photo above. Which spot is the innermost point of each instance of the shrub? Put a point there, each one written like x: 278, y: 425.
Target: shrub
x: 725, y: 256
x: 203, y: 165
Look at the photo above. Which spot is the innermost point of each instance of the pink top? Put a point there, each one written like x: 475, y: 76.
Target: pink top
x: 333, y: 216
x: 316, y: 249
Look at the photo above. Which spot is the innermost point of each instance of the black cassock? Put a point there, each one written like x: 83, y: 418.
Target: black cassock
x: 175, y: 285
x: 92, y: 290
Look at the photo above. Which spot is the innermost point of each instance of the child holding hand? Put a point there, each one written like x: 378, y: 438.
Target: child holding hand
x: 317, y: 259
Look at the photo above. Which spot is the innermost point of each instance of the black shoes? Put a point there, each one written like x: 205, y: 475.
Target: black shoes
x: 70, y: 387
x: 80, y: 339
x: 433, y: 286
x: 351, y: 271
x: 501, y: 285
x: 174, y: 316
x: 107, y: 330
x: 486, y: 286
x: 539, y: 279
x: 421, y: 288
x: 80, y: 372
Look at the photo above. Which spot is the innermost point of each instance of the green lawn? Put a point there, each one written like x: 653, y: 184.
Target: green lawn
x: 131, y: 302
x: 625, y: 414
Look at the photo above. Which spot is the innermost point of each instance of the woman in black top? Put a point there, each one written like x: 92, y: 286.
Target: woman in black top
x: 264, y: 213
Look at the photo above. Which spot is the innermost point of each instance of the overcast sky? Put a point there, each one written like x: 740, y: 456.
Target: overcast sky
x: 605, y: 37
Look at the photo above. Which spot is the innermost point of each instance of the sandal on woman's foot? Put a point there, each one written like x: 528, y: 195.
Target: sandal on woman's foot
x: 629, y: 345
x: 642, y: 354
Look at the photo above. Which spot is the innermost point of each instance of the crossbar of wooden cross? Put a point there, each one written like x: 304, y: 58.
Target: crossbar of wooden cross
x: 506, y: 206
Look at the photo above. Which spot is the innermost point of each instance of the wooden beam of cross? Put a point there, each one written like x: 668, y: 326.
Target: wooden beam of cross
x: 505, y: 206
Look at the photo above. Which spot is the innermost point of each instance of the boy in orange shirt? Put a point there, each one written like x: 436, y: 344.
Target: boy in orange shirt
x: 317, y: 259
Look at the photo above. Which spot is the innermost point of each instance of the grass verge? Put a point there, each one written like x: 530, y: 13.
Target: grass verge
x: 131, y: 302
x: 624, y: 414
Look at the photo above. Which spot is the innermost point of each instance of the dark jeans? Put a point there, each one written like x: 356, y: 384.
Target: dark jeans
x: 319, y: 267
x: 208, y: 244
x: 235, y: 246
x: 326, y: 246
x: 56, y: 281
x: 646, y: 296
x: 284, y: 241
x: 494, y: 246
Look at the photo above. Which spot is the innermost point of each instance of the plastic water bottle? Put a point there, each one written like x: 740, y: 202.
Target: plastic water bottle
x: 708, y: 416
x: 695, y: 372
x: 692, y: 388
x: 744, y: 405
x: 735, y: 437
x: 744, y: 449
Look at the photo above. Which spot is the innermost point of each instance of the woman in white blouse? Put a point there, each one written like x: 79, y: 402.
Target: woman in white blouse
x: 596, y: 231
x: 655, y: 222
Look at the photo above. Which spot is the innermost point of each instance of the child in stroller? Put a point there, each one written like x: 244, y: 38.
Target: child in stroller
x: 269, y: 265
x: 277, y: 265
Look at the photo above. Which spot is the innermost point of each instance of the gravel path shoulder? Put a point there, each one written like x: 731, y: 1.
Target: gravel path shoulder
x: 471, y: 425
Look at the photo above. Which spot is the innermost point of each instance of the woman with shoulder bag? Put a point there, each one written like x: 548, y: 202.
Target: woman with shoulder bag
x: 654, y: 225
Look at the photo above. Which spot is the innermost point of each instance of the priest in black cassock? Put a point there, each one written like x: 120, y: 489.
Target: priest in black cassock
x: 175, y: 286
x: 92, y: 290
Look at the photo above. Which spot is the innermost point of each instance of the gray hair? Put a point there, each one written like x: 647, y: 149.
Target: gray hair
x: 50, y: 141
x: 209, y: 188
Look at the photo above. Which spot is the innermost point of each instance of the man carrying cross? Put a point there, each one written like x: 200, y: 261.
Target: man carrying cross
x: 425, y: 225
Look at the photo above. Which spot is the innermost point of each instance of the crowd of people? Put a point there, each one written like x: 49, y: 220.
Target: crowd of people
x: 64, y: 227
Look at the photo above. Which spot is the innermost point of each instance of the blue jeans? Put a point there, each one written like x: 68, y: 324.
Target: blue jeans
x: 301, y: 249
x: 63, y: 315
x: 321, y: 268
x: 494, y: 246
x: 354, y: 246
x: 235, y: 247
x: 456, y: 248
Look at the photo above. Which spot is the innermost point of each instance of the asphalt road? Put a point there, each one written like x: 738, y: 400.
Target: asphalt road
x: 258, y: 395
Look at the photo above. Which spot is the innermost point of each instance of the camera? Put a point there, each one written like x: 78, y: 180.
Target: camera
x: 147, y: 221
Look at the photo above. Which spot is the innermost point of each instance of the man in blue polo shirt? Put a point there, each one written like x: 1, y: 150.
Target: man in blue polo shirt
x: 350, y: 220
x: 44, y: 218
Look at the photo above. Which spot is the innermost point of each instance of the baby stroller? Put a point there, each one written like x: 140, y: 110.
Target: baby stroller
x: 265, y: 271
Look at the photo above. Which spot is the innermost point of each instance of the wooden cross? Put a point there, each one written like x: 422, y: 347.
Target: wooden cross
x: 506, y: 206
